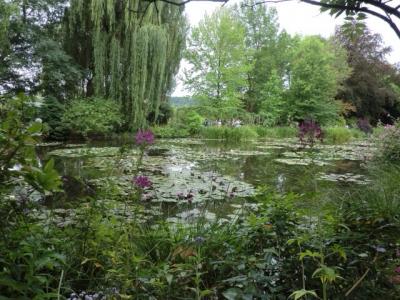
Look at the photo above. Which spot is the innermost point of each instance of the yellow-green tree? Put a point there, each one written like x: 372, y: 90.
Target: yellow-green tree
x: 217, y: 63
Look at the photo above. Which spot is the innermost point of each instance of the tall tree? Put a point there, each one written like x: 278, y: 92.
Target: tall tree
x: 273, y: 105
x: 217, y: 59
x: 31, y: 46
x: 129, y: 51
x: 315, y: 79
x: 262, y: 39
x: 373, y: 85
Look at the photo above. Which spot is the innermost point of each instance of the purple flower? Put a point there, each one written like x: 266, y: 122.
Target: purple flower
x: 309, y: 131
x: 397, y: 270
x: 144, y: 137
x: 142, y: 181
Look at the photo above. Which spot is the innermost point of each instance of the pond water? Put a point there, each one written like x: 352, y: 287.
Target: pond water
x: 208, y: 177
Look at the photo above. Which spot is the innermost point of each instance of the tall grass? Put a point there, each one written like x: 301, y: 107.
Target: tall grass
x: 229, y: 133
x: 276, y: 132
x: 341, y: 135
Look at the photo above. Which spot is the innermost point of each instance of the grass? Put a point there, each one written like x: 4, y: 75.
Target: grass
x: 341, y: 135
x: 276, y: 132
x: 229, y: 133
x: 169, y: 132
x: 333, y: 135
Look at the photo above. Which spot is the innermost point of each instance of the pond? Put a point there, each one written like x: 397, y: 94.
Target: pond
x: 211, y: 178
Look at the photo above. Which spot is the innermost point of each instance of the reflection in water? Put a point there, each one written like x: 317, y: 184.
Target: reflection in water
x: 184, y: 165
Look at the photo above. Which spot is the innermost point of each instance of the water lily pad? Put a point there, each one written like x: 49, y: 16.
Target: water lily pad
x: 301, y: 161
x: 347, y: 177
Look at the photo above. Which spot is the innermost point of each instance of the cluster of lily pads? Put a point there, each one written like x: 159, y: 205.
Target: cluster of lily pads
x: 170, y: 172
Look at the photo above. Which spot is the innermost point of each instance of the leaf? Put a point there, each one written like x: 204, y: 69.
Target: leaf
x: 232, y: 294
x: 309, y: 253
x: 169, y: 278
x: 301, y: 293
x: 35, y: 128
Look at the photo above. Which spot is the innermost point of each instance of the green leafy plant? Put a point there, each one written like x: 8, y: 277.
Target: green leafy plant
x: 91, y: 117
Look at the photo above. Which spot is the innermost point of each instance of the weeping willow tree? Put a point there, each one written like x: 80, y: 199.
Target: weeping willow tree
x: 130, y: 51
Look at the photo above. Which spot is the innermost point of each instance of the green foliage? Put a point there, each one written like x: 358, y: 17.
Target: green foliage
x: 29, y: 266
x: 94, y: 116
x: 18, y: 137
x: 272, y: 107
x: 314, y: 81
x: 192, y: 121
x: 387, y: 140
x: 229, y: 133
x: 340, y: 135
x: 31, y: 43
x: 170, y: 131
x: 372, y: 85
x: 218, y: 65
x: 165, y: 113
x: 276, y: 132
x: 267, y: 52
x: 129, y: 57
x: 51, y: 113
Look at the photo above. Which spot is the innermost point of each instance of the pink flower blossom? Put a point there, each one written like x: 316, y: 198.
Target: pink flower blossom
x: 142, y: 182
x: 144, y: 137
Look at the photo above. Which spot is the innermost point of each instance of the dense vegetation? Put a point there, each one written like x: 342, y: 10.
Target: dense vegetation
x: 78, y: 69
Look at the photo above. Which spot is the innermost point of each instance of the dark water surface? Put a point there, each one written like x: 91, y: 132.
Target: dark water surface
x: 212, y: 171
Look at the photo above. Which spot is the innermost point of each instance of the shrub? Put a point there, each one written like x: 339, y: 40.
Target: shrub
x: 192, y: 121
x: 94, y: 116
x: 52, y: 112
x: 388, y: 143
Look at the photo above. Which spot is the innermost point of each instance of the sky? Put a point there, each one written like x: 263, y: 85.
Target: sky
x: 295, y: 18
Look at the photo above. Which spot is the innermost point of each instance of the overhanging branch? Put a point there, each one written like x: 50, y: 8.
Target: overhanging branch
x: 391, y: 23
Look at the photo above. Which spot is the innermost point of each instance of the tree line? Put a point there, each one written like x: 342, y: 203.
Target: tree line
x: 241, y: 62
x: 126, y: 51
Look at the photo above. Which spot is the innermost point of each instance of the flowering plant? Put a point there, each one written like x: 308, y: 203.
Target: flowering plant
x: 144, y: 137
x: 388, y: 143
x: 309, y: 132
x: 142, y: 182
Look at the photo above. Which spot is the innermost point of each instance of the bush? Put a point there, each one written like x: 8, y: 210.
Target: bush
x: 229, y: 133
x: 192, y: 121
x: 388, y: 143
x: 91, y: 117
x: 51, y: 114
